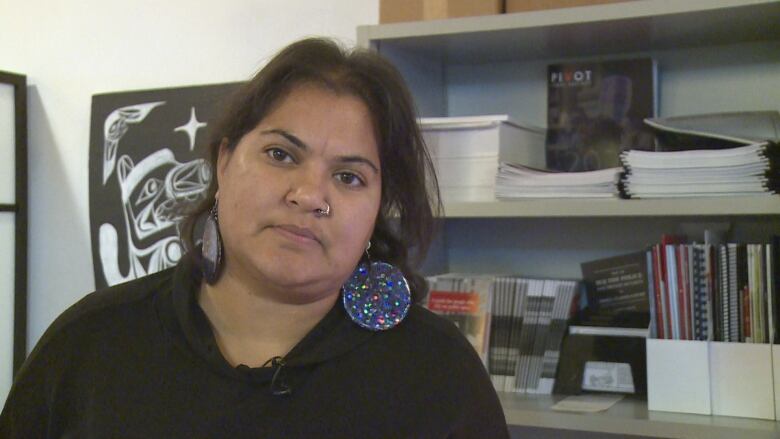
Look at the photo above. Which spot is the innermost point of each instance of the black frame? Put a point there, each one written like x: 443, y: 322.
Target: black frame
x: 19, y: 83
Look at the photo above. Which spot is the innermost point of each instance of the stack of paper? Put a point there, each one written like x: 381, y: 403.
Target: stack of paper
x: 518, y: 181
x: 743, y: 170
x: 466, y: 152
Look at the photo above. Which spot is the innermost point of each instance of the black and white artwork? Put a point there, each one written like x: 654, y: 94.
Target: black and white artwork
x: 146, y: 164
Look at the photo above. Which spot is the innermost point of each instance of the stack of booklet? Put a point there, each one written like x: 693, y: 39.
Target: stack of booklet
x: 745, y: 170
x: 725, y: 154
x: 518, y: 181
x: 515, y: 324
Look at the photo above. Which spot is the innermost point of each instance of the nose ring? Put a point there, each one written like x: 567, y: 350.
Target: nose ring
x: 319, y: 212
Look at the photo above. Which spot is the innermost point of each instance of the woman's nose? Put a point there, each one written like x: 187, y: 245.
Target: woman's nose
x: 307, y: 192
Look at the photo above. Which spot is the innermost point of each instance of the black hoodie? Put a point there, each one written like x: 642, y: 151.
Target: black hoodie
x: 139, y: 360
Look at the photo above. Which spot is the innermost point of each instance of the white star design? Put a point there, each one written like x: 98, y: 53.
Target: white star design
x: 191, y: 127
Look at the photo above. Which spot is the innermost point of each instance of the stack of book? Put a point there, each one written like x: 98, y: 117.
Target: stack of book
x: 526, y: 324
x: 515, y: 181
x: 725, y: 154
x: 717, y: 292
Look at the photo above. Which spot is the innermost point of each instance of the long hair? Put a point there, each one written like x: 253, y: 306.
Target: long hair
x: 410, y: 198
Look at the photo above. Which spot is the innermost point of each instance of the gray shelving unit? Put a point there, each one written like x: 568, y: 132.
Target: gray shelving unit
x: 631, y: 417
x: 713, y: 55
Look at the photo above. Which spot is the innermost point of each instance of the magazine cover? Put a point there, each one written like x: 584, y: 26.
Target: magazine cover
x: 595, y: 110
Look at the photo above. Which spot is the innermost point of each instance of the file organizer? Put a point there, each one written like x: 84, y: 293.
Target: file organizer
x: 776, y: 378
x: 741, y: 380
x: 678, y: 376
x: 714, y: 378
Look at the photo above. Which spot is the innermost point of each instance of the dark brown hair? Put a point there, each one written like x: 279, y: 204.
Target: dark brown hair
x: 410, y: 196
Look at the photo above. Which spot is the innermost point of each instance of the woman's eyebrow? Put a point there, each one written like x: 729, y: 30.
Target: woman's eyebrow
x: 292, y: 138
x: 359, y: 159
x: 289, y: 136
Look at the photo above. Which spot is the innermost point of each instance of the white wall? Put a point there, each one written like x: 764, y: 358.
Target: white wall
x: 72, y: 49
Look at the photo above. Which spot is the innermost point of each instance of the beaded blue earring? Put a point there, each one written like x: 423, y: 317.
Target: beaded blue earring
x: 376, y: 296
x: 212, y: 246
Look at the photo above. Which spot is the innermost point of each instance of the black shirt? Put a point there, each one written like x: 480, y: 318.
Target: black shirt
x: 139, y: 360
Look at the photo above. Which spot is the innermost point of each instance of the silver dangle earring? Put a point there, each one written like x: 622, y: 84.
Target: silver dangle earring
x: 377, y: 295
x: 212, y: 246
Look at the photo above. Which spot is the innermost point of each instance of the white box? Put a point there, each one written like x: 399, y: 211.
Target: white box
x: 466, y: 171
x: 484, y: 136
x: 466, y: 152
x: 467, y: 194
x: 678, y: 376
x: 741, y: 380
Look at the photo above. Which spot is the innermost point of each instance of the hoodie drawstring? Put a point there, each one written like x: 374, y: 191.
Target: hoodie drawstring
x: 278, y: 386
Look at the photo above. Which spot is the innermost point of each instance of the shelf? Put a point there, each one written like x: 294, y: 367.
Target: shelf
x: 573, y: 208
x: 631, y: 417
x: 633, y: 26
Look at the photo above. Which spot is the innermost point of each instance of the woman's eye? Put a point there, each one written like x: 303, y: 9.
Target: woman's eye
x: 349, y: 179
x: 279, y: 155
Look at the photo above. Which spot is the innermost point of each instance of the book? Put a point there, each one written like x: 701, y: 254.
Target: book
x: 595, y: 110
x: 500, y: 352
x: 562, y: 311
x: 653, y: 330
x: 617, y: 293
x: 544, y: 319
x: 772, y: 282
x: 701, y: 294
x: 528, y: 334
x: 465, y: 300
x: 725, y: 283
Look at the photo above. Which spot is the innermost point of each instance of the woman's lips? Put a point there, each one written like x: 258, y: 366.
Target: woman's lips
x: 298, y: 234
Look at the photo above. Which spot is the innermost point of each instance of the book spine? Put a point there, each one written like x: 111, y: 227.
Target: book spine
x: 651, y: 293
x: 672, y: 299
x: 552, y: 352
x: 770, y: 295
x: 752, y: 303
x: 546, y: 302
x: 734, y: 298
x: 517, y: 290
x: 700, y: 317
x: 763, y: 293
x: 658, y: 291
x: 742, y: 284
x: 725, y: 294
x: 528, y: 334
x: 711, y: 268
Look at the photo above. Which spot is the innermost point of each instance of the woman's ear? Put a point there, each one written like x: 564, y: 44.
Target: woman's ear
x: 223, y: 157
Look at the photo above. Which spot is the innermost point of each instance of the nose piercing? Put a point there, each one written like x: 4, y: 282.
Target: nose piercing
x: 319, y: 212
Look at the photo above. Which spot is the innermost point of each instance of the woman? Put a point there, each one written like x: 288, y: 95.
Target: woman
x: 294, y: 318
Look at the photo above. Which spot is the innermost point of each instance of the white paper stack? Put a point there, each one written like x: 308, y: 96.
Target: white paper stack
x: 466, y: 152
x: 517, y: 181
x: 742, y: 170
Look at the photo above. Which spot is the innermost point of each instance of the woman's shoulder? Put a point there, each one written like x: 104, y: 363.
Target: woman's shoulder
x: 110, y: 305
x: 435, y: 334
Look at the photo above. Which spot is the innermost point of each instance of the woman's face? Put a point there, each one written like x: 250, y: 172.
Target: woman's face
x: 316, y: 148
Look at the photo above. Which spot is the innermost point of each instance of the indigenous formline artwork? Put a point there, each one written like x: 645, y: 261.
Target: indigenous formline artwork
x: 147, y: 166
